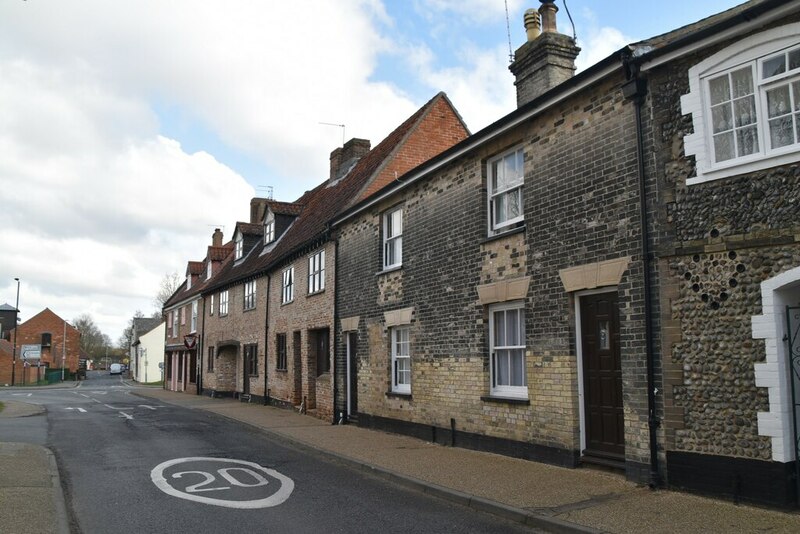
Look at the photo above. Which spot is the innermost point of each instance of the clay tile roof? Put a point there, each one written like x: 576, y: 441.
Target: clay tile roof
x: 195, y: 267
x: 219, y: 253
x: 317, y: 208
x: 285, y: 208
x: 250, y: 228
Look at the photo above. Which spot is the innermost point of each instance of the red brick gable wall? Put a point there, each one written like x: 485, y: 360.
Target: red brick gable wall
x: 439, y: 129
x: 30, y: 333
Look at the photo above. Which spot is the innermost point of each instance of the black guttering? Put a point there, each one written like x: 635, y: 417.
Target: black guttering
x: 592, y: 75
x: 733, y: 20
x: 266, y: 346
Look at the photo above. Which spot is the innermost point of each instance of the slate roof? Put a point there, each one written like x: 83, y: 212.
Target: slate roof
x: 143, y: 325
x: 7, y: 307
x: 319, y: 206
x: 640, y: 51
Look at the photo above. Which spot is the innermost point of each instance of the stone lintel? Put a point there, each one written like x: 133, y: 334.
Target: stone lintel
x: 593, y: 275
x: 398, y: 317
x: 504, y: 290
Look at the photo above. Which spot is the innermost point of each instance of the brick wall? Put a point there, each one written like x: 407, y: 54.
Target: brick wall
x: 30, y: 333
x: 240, y: 326
x: 307, y: 312
x: 580, y: 201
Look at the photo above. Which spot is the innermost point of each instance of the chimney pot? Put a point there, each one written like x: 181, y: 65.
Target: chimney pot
x: 533, y: 24
x: 545, y: 61
x: 548, y: 11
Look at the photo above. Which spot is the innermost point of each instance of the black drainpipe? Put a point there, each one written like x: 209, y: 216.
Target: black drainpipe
x: 335, y: 370
x: 635, y: 89
x: 200, y: 349
x: 266, y: 347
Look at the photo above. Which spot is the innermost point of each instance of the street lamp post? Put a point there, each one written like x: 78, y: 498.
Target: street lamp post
x: 16, y: 327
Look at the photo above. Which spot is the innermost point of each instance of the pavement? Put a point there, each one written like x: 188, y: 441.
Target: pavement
x: 553, y: 499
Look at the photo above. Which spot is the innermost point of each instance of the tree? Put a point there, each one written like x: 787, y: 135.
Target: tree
x: 166, y: 288
x: 125, y: 340
x: 93, y: 341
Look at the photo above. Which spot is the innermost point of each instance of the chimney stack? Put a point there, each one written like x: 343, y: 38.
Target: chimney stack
x: 343, y: 159
x: 216, y: 238
x: 547, y: 59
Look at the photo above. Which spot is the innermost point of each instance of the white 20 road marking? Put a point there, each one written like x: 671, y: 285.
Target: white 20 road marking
x: 252, y: 470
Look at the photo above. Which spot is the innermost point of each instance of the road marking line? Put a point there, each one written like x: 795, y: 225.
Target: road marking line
x: 79, y: 409
x: 22, y: 394
x: 125, y: 415
x: 147, y: 406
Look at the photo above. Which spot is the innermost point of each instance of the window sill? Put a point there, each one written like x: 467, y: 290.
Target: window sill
x: 398, y: 395
x: 321, y: 291
x: 221, y: 315
x: 389, y: 270
x: 504, y: 233
x: 506, y: 400
x: 281, y: 371
x: 248, y: 309
x: 287, y: 302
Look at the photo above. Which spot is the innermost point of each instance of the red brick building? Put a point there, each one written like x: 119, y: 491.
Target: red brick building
x: 59, y: 342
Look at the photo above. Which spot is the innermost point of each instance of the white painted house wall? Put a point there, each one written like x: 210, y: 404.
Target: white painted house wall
x: 151, y: 350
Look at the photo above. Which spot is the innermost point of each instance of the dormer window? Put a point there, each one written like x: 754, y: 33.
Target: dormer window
x: 188, y: 281
x: 269, y: 231
x: 239, y: 246
x: 208, y: 270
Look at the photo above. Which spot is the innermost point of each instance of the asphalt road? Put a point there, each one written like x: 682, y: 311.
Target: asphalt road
x: 131, y: 465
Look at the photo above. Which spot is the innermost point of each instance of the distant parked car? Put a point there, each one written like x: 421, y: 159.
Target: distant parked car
x: 116, y: 369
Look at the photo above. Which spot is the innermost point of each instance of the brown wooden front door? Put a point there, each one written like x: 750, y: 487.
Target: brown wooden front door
x: 602, y: 376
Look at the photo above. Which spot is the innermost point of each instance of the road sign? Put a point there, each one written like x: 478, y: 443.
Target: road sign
x: 31, y: 352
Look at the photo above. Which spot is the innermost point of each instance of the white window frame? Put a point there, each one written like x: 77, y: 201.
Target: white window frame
x: 188, y: 282
x: 316, y: 272
x: 211, y: 308
x: 749, y: 52
x: 269, y: 229
x: 507, y: 390
x: 193, y: 325
x: 175, y: 323
x: 208, y: 270
x: 401, y: 354
x: 223, y: 303
x: 393, y: 238
x: 239, y: 246
x: 515, y: 187
x: 287, y: 286
x: 249, y: 295
x: 183, y: 315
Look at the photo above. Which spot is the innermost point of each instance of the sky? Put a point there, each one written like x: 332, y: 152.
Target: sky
x: 130, y: 129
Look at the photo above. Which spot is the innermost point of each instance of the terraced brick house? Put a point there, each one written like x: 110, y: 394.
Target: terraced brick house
x: 292, y: 269
x: 589, y: 279
x: 184, y: 312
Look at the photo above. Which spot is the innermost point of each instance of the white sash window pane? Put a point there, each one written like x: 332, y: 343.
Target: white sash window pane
x: 719, y: 89
x: 747, y: 140
x: 721, y: 117
x: 517, y: 365
x: 742, y: 82
x: 745, y: 111
x: 774, y: 66
x: 723, y: 146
